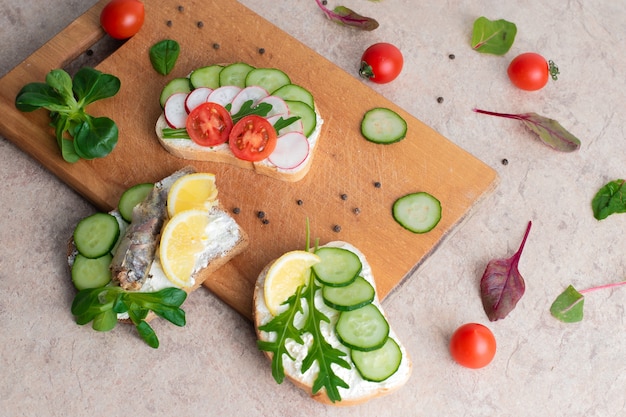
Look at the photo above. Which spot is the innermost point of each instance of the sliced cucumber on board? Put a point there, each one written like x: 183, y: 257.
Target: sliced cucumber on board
x: 383, y: 126
x: 418, y: 212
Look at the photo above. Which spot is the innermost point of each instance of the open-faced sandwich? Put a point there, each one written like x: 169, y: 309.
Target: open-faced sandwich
x: 254, y: 118
x: 141, y: 260
x: 319, y: 320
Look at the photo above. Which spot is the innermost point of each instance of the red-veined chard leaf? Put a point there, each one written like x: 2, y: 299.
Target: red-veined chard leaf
x: 610, y: 199
x: 493, y: 36
x: 568, y: 306
x: 502, y: 285
x: 348, y: 17
x: 549, y: 130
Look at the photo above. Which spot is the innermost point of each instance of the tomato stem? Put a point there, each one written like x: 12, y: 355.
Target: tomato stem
x: 554, y: 70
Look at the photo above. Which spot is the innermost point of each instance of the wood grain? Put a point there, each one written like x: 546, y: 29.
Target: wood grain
x: 343, y: 164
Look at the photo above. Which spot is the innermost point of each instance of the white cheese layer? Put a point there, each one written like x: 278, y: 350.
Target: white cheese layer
x: 358, y: 387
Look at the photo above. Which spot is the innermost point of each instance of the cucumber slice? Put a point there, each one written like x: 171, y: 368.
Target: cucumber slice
x: 95, y: 235
x: 131, y: 197
x: 384, y: 126
x: 363, y: 329
x: 294, y: 92
x: 235, y: 74
x: 270, y: 79
x: 177, y: 85
x: 355, y: 295
x: 91, y: 273
x: 338, y: 267
x: 378, y: 365
x: 417, y: 212
x: 206, y: 77
x: 306, y: 113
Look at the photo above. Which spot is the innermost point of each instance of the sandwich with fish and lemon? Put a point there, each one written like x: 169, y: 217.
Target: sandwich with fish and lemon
x: 160, y: 244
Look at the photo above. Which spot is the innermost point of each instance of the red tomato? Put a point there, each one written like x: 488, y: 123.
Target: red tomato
x: 473, y: 345
x: 381, y: 63
x: 209, y: 124
x: 122, y: 19
x: 253, y: 138
x: 529, y: 71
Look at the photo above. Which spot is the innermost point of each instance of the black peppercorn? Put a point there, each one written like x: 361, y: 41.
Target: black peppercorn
x: 169, y: 23
x: 336, y: 228
x: 260, y: 214
x: 181, y: 9
x: 216, y: 46
x: 451, y: 56
x: 356, y: 210
x: 505, y: 161
x: 439, y: 99
x: 299, y: 202
x: 377, y: 184
x: 261, y: 51
x: 344, y: 196
x: 236, y: 210
x: 200, y: 24
x: 265, y: 221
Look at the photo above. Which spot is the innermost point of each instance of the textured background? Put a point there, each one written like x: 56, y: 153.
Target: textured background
x: 50, y: 366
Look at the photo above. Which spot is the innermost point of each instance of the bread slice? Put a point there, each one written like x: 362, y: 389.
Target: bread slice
x: 187, y: 149
x: 213, y: 258
x: 360, y: 390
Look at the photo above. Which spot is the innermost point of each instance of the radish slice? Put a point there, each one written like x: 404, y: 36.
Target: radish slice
x: 291, y: 150
x: 197, y: 97
x: 296, y: 126
x: 254, y: 93
x: 223, y: 95
x: 278, y: 105
x: 175, y: 112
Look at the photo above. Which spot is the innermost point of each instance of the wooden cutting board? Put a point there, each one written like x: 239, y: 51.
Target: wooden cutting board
x: 344, y: 163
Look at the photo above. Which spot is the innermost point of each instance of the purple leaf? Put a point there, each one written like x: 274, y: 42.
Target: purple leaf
x: 348, y: 17
x: 549, y: 130
x: 502, y: 286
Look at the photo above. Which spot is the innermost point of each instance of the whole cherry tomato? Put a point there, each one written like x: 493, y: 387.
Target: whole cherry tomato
x: 530, y: 71
x: 473, y: 345
x: 122, y: 19
x: 381, y: 63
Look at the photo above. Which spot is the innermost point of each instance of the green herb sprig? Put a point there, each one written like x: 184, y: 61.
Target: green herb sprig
x: 102, y: 305
x: 79, y: 135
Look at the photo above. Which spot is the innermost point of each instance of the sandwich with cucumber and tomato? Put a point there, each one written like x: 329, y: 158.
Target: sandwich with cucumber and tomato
x: 142, y: 259
x: 253, y: 118
x: 320, y: 322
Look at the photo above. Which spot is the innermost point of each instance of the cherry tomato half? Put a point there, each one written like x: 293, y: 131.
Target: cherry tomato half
x: 253, y: 138
x: 381, y: 63
x: 122, y: 19
x: 209, y: 124
x: 473, y: 345
x: 530, y: 71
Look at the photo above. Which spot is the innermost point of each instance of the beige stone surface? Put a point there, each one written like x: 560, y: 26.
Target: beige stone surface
x: 49, y: 366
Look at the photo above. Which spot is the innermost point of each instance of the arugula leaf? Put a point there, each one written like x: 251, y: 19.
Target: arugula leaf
x: 282, y: 123
x: 101, y: 305
x: 283, y: 326
x: 610, y: 199
x: 163, y: 56
x: 493, y: 36
x: 262, y: 109
x: 321, y: 351
x: 348, y: 17
x: 78, y: 134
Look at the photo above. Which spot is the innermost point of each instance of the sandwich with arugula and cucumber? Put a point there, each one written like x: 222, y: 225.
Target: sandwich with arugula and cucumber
x: 319, y: 320
x: 142, y: 259
x: 254, y: 118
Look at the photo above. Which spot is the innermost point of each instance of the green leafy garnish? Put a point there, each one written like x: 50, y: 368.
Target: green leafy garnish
x: 102, y: 305
x: 282, y: 123
x: 163, y: 56
x: 610, y: 199
x: 493, y: 36
x: 568, y: 306
x: 348, y: 17
x: 78, y: 134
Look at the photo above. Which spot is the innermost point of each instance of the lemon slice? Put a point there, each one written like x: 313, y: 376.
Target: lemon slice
x: 193, y: 191
x: 184, y: 237
x: 284, y: 277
